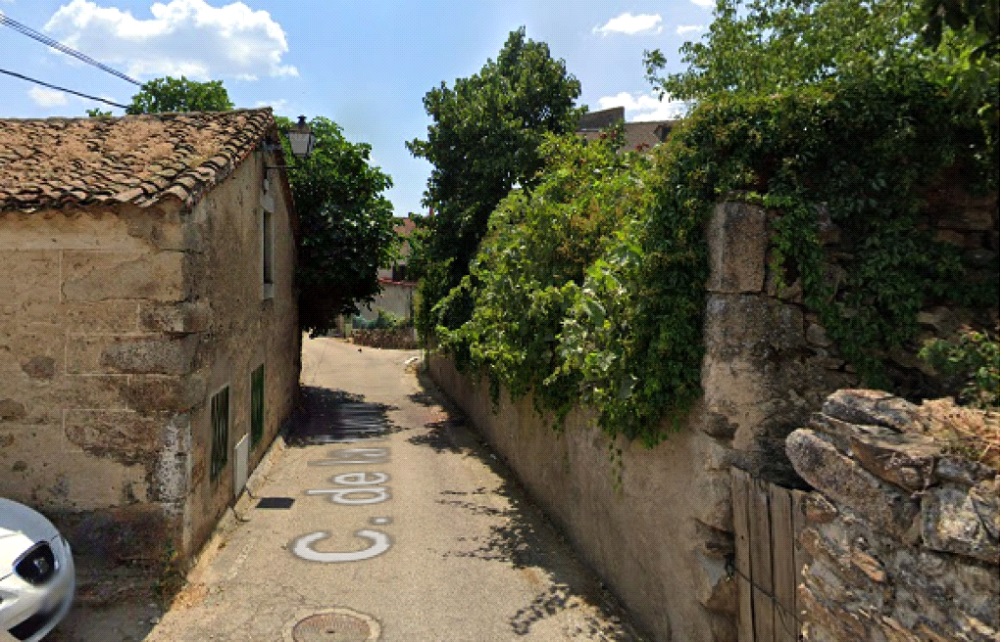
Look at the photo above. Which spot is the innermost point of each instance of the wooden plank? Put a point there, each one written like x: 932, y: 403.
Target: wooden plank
x: 761, y: 562
x: 783, y: 546
x: 801, y: 559
x: 740, y: 515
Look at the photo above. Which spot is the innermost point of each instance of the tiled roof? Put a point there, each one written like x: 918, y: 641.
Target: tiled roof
x: 58, y: 162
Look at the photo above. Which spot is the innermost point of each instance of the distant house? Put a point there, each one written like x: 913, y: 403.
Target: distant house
x: 149, y: 345
x: 638, y: 136
x: 396, y: 289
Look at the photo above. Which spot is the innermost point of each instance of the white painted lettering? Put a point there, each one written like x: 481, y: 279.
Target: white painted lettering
x: 347, y: 496
x: 303, y: 548
x: 360, y: 479
x: 353, y: 456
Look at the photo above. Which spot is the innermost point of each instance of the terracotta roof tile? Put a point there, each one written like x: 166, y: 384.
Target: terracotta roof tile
x: 141, y: 160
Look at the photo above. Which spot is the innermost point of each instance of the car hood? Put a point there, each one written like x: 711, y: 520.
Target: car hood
x: 20, y: 528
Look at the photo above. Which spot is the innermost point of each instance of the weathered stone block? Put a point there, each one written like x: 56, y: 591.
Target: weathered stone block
x: 175, y: 318
x: 123, y: 436
x: 100, y: 316
x: 737, y: 248
x: 929, y: 586
x: 11, y: 410
x: 89, y: 391
x: 40, y: 367
x: 162, y: 230
x: 871, y: 407
x: 952, y: 523
x: 907, y: 461
x: 818, y: 509
x: 715, y: 507
x: 842, y: 480
x: 97, y: 276
x: 19, y: 347
x: 159, y: 355
x: 963, y: 471
x: 155, y: 393
x: 715, y: 589
x: 29, y: 276
x: 815, y: 334
x: 751, y: 327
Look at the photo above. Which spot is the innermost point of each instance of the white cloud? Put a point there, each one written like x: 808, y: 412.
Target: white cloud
x: 184, y: 37
x: 47, y: 97
x: 644, y: 107
x: 630, y: 24
x: 707, y: 4
x: 684, y: 30
x: 279, y: 106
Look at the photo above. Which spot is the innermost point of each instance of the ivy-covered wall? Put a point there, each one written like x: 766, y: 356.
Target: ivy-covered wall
x: 656, y: 521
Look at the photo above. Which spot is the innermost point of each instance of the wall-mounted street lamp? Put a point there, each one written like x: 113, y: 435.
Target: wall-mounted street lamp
x: 301, y: 142
x: 301, y: 139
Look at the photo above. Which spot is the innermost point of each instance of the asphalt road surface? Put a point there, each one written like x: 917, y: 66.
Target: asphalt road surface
x: 384, y: 517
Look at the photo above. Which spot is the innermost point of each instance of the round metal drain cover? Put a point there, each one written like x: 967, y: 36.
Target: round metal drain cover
x: 336, y: 626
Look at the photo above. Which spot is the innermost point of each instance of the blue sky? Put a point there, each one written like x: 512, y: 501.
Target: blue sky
x: 363, y: 63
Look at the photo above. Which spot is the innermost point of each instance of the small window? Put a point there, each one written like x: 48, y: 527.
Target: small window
x: 220, y: 418
x: 267, y: 251
x: 257, y: 405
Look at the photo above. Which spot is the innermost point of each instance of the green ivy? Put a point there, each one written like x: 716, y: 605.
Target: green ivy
x: 591, y: 287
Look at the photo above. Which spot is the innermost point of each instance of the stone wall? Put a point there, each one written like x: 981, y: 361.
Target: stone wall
x: 91, y: 382
x: 903, y: 531
x: 396, y: 339
x: 663, y: 539
x: 248, y: 324
x: 115, y: 326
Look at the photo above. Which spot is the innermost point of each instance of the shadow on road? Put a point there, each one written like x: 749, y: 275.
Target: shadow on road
x: 331, y: 416
x: 523, y: 536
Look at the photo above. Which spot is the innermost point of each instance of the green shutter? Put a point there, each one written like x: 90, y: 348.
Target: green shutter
x: 257, y: 405
x: 220, y: 418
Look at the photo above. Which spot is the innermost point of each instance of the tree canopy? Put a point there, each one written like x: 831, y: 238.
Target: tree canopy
x: 180, y: 94
x: 169, y: 94
x: 765, y: 46
x: 346, y: 225
x: 482, y: 143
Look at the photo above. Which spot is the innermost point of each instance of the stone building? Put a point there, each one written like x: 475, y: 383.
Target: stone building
x: 149, y: 345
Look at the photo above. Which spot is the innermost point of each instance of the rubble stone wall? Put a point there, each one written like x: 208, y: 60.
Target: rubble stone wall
x: 903, y: 529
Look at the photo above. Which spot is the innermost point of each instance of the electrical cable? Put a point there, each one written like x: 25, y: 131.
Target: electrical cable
x: 69, y: 91
x: 58, y: 46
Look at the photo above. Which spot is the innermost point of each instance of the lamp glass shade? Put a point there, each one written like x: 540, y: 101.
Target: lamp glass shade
x: 301, y: 139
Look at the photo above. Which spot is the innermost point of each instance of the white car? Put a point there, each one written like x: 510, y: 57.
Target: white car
x: 37, y: 576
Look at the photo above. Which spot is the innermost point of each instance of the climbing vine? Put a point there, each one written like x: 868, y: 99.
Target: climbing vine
x: 591, y: 287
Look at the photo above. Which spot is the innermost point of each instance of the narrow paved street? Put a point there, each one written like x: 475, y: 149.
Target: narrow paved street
x: 385, y: 518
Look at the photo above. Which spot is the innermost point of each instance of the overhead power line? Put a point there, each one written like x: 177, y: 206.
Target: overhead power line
x: 58, y: 46
x: 69, y: 91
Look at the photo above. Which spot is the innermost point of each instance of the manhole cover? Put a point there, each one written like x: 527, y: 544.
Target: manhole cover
x: 338, y: 626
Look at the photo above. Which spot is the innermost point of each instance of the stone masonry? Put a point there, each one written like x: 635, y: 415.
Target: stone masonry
x: 132, y: 254
x: 903, y: 532
x: 664, y: 539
